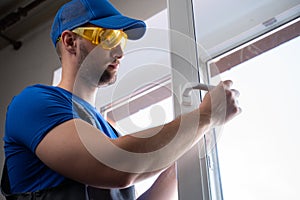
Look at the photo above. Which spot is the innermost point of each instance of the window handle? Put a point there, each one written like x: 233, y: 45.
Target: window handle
x: 187, y: 92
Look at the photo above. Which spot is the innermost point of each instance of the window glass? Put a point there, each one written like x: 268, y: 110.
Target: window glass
x: 258, y: 150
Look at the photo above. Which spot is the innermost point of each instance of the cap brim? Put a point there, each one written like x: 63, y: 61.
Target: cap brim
x: 135, y: 29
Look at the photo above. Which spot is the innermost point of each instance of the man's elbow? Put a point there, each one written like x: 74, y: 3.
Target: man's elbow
x: 120, y: 180
x: 126, y: 180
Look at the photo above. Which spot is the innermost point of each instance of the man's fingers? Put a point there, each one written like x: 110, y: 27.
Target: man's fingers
x: 235, y: 92
x: 227, y: 84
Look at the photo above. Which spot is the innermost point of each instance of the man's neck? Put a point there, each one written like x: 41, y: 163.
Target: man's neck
x: 87, y: 93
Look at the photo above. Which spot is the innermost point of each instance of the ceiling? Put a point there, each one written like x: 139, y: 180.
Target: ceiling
x: 225, y: 22
x: 34, y: 18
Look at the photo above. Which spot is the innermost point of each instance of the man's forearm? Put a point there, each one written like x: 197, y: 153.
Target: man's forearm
x: 164, y: 188
x: 164, y: 145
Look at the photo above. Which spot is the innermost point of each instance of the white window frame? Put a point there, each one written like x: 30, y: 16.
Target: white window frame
x: 192, y: 167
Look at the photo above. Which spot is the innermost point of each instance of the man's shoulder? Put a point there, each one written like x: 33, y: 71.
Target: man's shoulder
x: 38, y: 99
x: 34, y: 111
x: 42, y: 89
x: 39, y: 92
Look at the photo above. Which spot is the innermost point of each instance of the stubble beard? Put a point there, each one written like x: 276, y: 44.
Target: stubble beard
x: 106, y: 78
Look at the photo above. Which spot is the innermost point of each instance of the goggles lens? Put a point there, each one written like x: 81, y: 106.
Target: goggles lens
x: 106, y: 38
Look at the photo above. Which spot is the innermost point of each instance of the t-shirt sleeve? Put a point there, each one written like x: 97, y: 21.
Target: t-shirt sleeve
x: 34, y: 112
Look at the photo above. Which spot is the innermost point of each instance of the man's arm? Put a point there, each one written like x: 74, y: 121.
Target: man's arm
x: 81, y: 152
x: 164, y: 188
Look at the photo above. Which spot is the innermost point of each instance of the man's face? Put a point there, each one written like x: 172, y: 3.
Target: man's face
x: 99, y: 66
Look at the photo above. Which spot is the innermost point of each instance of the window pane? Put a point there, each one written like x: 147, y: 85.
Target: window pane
x: 258, y: 150
x: 154, y: 115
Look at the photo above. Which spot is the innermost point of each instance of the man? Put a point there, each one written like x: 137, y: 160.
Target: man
x: 58, y: 146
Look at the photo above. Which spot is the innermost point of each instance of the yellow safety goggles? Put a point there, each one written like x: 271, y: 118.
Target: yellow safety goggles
x: 106, y: 38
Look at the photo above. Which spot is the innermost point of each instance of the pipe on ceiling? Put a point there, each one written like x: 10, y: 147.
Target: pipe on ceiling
x: 13, y: 17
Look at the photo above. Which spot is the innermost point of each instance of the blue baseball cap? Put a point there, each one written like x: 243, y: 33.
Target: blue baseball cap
x: 100, y: 13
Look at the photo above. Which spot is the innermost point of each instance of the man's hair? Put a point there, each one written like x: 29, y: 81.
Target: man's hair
x: 58, y: 49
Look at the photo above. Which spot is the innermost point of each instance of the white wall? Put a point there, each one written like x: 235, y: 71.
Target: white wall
x: 33, y: 63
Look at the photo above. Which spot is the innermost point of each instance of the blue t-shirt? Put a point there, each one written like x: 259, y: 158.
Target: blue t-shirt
x: 30, y: 116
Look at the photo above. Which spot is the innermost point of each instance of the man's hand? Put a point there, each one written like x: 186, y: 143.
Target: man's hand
x: 220, y: 104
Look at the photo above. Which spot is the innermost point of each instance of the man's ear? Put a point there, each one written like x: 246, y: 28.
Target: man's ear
x: 68, y: 39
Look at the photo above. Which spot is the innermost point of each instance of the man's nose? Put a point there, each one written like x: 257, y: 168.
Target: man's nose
x: 117, y: 52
